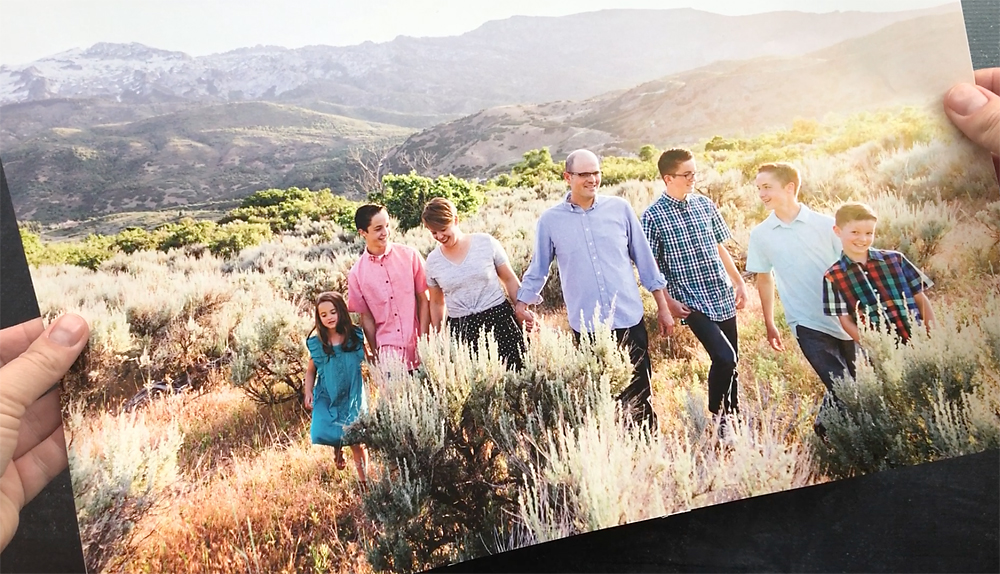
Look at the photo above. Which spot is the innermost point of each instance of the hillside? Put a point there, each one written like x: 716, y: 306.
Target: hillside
x: 118, y: 127
x: 906, y: 63
x: 517, y: 60
x: 187, y: 156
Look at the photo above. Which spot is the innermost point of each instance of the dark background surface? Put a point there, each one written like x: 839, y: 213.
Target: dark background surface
x: 938, y: 517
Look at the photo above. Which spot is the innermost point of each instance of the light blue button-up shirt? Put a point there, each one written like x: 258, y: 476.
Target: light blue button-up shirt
x: 594, y: 249
x: 799, y: 253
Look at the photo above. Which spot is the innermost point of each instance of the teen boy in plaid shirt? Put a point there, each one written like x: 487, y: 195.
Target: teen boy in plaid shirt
x: 704, y: 287
x: 876, y: 282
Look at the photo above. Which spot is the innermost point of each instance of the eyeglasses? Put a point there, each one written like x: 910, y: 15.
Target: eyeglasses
x: 585, y: 174
x: 688, y: 175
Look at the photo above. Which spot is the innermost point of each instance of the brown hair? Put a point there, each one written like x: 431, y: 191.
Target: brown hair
x: 783, y: 171
x: 363, y: 216
x: 854, y: 211
x: 670, y: 159
x: 343, y: 327
x: 439, y: 213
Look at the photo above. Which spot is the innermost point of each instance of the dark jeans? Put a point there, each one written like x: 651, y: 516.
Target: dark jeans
x: 830, y: 357
x: 720, y: 340
x: 637, y: 397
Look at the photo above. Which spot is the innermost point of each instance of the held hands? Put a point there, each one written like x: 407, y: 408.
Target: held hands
x: 525, y: 315
x: 32, y: 444
x: 678, y: 309
x: 666, y: 321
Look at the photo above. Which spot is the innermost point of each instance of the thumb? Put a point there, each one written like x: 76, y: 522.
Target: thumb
x: 33, y: 373
x: 976, y: 111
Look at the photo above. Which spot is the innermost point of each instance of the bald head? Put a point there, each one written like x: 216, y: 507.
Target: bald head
x: 572, y: 158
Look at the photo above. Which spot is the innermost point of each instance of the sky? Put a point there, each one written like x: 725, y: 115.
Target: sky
x: 33, y: 29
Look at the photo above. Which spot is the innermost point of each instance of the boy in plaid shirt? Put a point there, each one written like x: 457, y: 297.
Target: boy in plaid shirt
x: 877, y: 282
x: 704, y: 287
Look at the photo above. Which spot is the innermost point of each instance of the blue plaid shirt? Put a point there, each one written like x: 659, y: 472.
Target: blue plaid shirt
x: 685, y: 235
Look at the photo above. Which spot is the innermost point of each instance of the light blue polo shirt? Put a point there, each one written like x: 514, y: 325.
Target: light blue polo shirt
x: 799, y: 253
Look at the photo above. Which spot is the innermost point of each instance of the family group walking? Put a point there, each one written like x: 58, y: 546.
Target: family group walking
x: 828, y: 276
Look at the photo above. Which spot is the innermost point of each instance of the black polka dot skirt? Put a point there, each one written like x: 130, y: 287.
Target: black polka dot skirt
x: 500, y: 323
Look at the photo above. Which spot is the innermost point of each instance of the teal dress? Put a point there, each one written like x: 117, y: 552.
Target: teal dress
x: 338, y: 393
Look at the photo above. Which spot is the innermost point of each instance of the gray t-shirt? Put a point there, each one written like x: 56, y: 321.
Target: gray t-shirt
x: 473, y: 285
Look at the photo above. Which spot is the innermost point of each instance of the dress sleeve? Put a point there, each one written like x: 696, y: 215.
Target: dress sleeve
x: 315, y: 348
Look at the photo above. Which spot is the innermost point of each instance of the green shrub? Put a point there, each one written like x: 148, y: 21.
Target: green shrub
x: 914, y: 230
x: 404, y: 196
x: 231, y: 238
x: 936, y: 397
x: 118, y: 476
x: 458, y: 437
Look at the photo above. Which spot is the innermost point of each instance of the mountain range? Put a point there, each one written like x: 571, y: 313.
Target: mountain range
x: 127, y: 126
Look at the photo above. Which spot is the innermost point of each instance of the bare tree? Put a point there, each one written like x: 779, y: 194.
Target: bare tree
x: 369, y: 163
x: 418, y: 160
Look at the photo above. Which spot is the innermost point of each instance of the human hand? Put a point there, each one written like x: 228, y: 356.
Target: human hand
x: 740, y: 290
x: 307, y: 401
x: 666, y: 322
x: 774, y: 338
x: 975, y: 109
x: 525, y: 315
x: 678, y: 309
x: 32, y: 443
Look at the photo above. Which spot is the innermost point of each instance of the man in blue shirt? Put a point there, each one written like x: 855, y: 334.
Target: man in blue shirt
x: 686, y: 231
x: 595, y: 239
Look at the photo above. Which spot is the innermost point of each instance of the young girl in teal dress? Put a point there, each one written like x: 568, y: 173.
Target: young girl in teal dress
x: 337, y: 398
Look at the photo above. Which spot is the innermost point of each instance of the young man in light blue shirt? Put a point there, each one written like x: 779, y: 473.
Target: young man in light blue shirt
x: 798, y: 245
x: 595, y: 240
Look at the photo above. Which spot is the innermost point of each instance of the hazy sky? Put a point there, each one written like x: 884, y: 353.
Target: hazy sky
x: 31, y: 29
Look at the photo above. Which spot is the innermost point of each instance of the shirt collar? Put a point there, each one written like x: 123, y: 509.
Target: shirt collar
x: 672, y: 202
x: 572, y: 206
x: 846, y: 262
x: 377, y: 258
x: 801, y: 216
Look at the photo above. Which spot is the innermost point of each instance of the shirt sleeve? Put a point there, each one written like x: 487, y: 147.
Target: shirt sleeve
x: 642, y: 254
x: 834, y: 304
x: 757, y: 259
x: 914, y: 277
x: 429, y: 266
x: 419, y: 273
x: 499, y: 254
x: 355, y: 298
x: 719, y: 227
x: 654, y: 241
x: 538, y: 270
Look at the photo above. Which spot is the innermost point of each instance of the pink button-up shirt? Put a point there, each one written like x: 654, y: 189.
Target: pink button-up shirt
x: 386, y: 286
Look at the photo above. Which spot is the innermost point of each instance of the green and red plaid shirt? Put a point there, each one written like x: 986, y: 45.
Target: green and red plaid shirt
x: 885, y: 285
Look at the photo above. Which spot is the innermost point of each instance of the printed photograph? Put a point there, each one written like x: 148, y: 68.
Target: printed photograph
x: 385, y: 287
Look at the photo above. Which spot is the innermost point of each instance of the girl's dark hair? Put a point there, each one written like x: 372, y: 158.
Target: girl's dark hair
x: 344, y: 325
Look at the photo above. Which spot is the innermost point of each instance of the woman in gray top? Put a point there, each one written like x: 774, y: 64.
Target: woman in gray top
x: 470, y: 279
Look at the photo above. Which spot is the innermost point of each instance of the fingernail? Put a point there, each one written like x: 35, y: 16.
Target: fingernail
x: 965, y: 99
x: 68, y: 330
